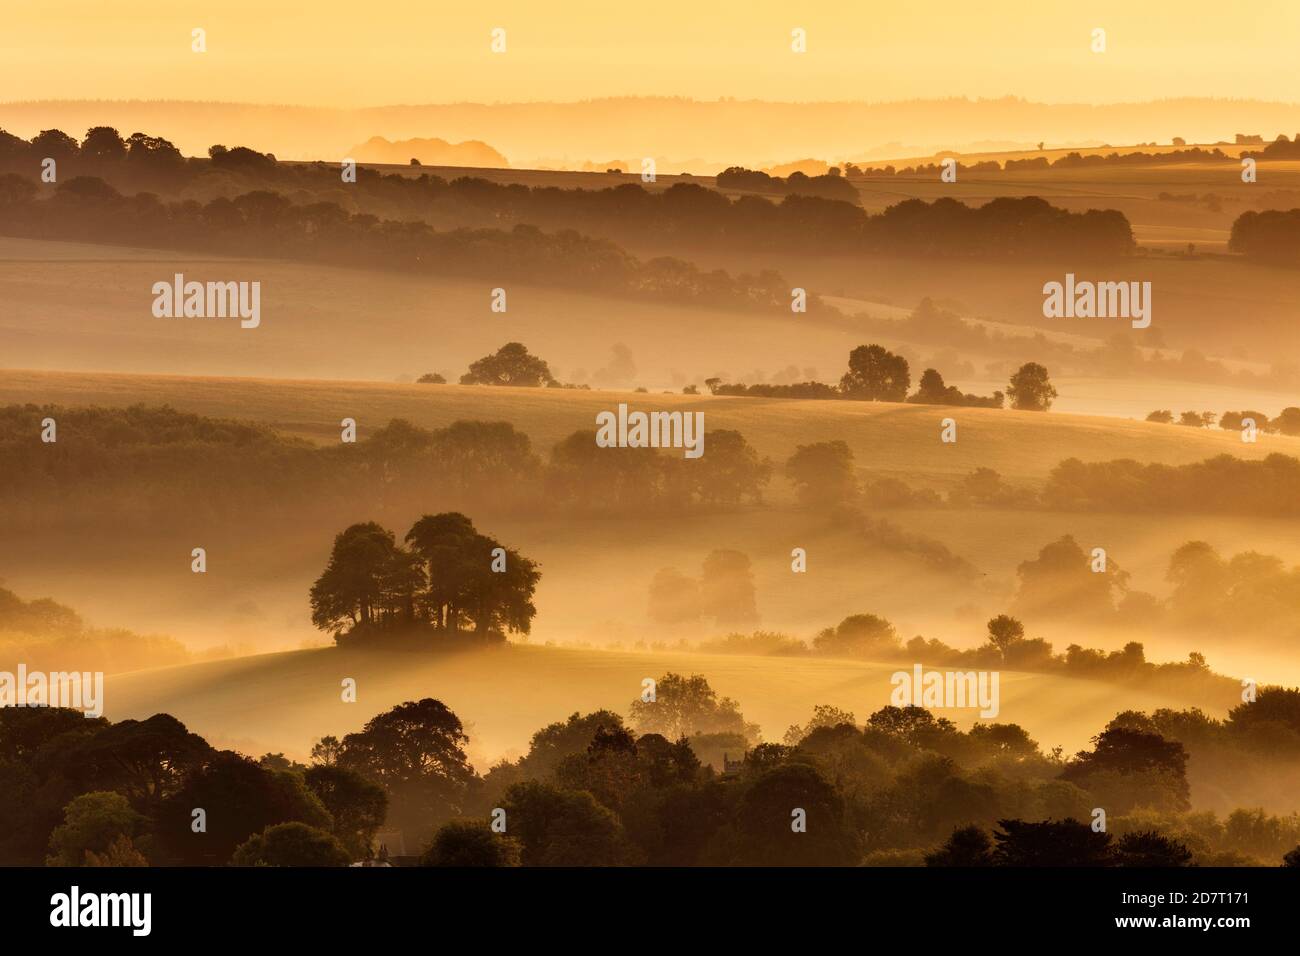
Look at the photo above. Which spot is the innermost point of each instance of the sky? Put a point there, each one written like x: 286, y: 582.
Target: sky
x: 348, y: 54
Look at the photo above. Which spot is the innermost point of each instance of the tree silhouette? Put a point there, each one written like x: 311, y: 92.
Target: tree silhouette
x: 968, y: 846
x: 415, y: 751
x: 291, y: 844
x: 509, y: 365
x: 822, y: 473
x: 1049, y: 843
x: 1030, y: 390
x: 357, y: 805
x: 369, y: 580
x: 876, y: 375
x: 684, y: 706
x: 470, y: 843
x: 1148, y: 848
x: 1004, y: 632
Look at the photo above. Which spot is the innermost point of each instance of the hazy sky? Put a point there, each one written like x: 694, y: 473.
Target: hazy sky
x: 345, y: 53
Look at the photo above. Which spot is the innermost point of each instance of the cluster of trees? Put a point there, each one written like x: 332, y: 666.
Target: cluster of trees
x: 1286, y: 422
x: 870, y: 637
x: 689, y: 214
x: 449, y: 579
x: 876, y: 374
x: 723, y: 594
x: 84, y: 791
x: 1223, y: 484
x: 1209, y: 594
x: 1270, y: 235
x: 824, y: 476
x: 584, y: 475
x: 512, y: 364
x: 889, y: 791
x: 138, y: 158
x: 903, y: 788
x: 829, y: 186
x: 1280, y: 148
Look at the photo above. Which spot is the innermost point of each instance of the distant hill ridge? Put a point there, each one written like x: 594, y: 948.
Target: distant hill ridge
x: 753, y: 133
x: 429, y: 151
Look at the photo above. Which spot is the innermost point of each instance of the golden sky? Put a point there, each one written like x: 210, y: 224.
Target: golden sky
x: 337, y: 53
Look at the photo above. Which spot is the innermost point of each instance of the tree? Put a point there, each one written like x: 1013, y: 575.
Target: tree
x: 931, y: 390
x: 765, y: 818
x: 1148, y: 848
x: 1030, y: 390
x: 463, y: 578
x: 968, y: 846
x: 148, y: 761
x: 730, y: 471
x: 357, y: 806
x: 1287, y: 421
x: 470, y: 843
x: 674, y: 598
x: 367, y: 581
x: 858, y: 635
x: 54, y: 144
x: 121, y: 852
x: 822, y: 473
x: 556, y: 741
x: 557, y: 827
x: 684, y: 706
x: 509, y: 365
x: 1136, y: 767
x: 727, y: 589
x: 415, y: 751
x: 501, y: 601
x: 93, y: 823
x: 1061, y: 582
x: 325, y: 752
x: 291, y: 844
x: 239, y: 798
x: 824, y: 715
x: 1161, y: 416
x: 445, y: 544
x: 1049, y: 843
x: 1004, y: 632
x: 1292, y: 857
x: 876, y: 375
x: 431, y: 378
x: 103, y: 143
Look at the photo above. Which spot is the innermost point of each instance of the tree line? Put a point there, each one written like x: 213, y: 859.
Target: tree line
x: 143, y: 456
x: 682, y: 781
x: 687, y: 213
x: 876, y: 374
